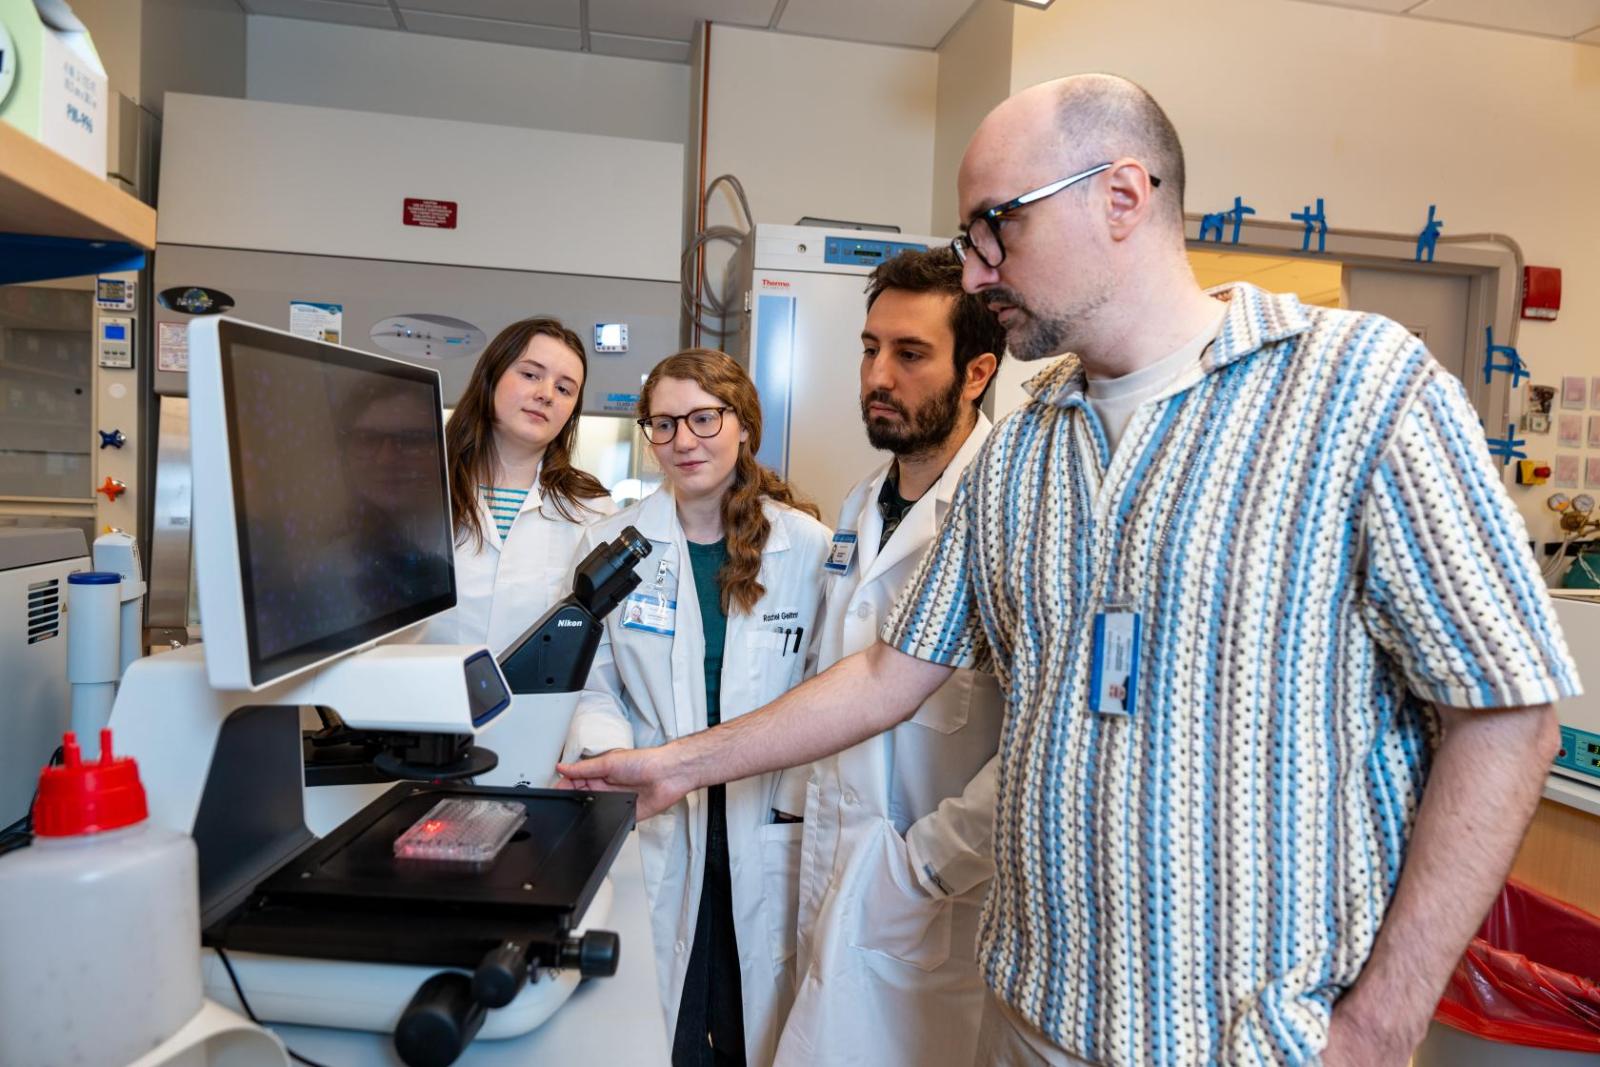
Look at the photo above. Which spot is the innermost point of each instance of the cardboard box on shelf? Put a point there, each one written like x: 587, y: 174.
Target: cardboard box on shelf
x: 52, y: 83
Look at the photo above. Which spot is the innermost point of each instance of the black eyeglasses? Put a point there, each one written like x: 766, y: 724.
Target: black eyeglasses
x: 702, y: 422
x: 981, y: 236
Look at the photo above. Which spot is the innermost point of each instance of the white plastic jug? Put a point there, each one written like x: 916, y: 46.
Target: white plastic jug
x: 99, y: 922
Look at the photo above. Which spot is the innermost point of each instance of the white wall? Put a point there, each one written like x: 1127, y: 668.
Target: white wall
x: 293, y: 61
x: 974, y: 76
x: 191, y: 46
x: 1283, y: 102
x: 115, y: 27
x: 820, y: 127
x: 152, y: 47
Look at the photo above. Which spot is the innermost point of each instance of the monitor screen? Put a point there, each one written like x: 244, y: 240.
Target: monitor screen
x: 340, y: 498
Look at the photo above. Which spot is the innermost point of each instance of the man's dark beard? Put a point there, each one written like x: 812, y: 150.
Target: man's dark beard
x: 926, y: 429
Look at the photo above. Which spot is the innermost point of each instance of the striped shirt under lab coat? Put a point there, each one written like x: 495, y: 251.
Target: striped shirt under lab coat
x: 1320, y: 547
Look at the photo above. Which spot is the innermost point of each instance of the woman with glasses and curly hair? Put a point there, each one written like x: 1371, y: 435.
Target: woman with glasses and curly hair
x: 719, y: 625
x: 519, y: 505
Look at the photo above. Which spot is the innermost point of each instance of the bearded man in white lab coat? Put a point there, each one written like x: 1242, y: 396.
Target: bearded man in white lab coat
x: 897, y: 843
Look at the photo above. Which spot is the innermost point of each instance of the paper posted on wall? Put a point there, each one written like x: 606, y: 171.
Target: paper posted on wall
x: 320, y: 322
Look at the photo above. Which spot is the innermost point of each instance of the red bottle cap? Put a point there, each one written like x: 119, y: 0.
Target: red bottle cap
x: 88, y: 798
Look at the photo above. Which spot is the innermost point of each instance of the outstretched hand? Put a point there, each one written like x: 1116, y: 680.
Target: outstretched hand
x: 649, y: 772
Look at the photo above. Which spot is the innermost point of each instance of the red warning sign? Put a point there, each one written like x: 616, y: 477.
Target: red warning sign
x: 433, y: 214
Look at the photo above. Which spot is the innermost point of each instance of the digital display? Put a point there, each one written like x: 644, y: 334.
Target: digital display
x: 115, y: 332
x: 611, y: 337
x: 340, y: 497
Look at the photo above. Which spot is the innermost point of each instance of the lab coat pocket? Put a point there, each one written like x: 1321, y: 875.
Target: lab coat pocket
x: 894, y: 915
x: 774, y: 660
x: 946, y: 711
x: 780, y: 884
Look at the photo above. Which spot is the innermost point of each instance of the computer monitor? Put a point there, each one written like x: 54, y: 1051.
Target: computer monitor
x: 321, y: 505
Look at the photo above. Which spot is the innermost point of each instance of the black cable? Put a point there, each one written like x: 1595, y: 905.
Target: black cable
x: 238, y: 991
x: 20, y: 833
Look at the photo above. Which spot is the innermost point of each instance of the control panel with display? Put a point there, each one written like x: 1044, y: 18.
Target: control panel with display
x: 1580, y: 752
x: 610, y: 337
x: 114, y: 343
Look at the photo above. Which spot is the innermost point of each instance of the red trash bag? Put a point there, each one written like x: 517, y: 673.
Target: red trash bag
x: 1531, y: 977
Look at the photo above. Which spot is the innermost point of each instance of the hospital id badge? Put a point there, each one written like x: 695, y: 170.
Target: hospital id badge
x: 650, y: 612
x: 841, y: 553
x: 1114, y: 673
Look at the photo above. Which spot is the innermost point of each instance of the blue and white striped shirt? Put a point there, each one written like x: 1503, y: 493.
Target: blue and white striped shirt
x: 1320, y: 548
x: 504, y: 506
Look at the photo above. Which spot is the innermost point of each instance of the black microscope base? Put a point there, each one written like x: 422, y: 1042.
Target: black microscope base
x: 347, y: 897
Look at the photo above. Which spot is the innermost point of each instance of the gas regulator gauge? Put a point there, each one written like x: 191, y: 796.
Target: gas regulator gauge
x: 1583, y: 503
x: 1558, y: 502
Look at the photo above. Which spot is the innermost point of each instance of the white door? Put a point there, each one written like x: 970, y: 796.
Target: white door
x: 806, y: 362
x: 1432, y: 306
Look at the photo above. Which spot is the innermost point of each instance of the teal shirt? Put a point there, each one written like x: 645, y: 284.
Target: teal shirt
x: 706, y: 561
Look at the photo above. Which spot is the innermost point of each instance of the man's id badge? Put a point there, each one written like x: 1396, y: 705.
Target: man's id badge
x: 842, y: 553
x: 1114, y: 673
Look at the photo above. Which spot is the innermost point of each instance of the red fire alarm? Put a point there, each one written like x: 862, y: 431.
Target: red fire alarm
x: 1541, y: 292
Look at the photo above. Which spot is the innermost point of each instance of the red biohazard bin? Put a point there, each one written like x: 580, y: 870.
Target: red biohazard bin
x: 1529, y: 981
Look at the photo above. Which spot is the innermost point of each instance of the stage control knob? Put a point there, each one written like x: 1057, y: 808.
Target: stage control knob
x: 594, y: 955
x: 440, y: 1021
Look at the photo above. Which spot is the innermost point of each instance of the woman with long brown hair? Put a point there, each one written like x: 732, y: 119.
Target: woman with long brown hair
x: 519, y: 505
x: 720, y: 625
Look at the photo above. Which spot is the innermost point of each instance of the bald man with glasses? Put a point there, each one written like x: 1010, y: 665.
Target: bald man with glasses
x: 1277, y: 662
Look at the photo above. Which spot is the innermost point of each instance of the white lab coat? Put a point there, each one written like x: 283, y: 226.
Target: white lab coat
x: 504, y: 585
x: 646, y: 689
x: 898, y: 845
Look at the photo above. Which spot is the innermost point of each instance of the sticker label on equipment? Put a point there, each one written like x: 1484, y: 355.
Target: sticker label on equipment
x: 429, y: 214
x: 620, y: 403
x: 320, y: 322
x: 172, y: 347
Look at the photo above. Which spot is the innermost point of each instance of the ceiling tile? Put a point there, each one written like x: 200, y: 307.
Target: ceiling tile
x: 918, y: 23
x: 620, y: 44
x: 538, y: 12
x: 355, y: 14
x: 495, y: 30
x: 674, y: 19
x: 1370, y: 5
x: 1555, y: 18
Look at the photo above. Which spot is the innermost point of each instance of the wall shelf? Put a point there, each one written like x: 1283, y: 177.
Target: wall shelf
x: 58, y: 220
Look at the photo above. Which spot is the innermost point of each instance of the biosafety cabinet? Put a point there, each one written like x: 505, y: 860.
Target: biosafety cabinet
x: 418, y: 239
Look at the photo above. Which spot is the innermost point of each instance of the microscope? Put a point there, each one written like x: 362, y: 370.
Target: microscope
x: 446, y: 908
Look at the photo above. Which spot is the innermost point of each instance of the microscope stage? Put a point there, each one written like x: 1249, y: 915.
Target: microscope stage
x: 349, y: 897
